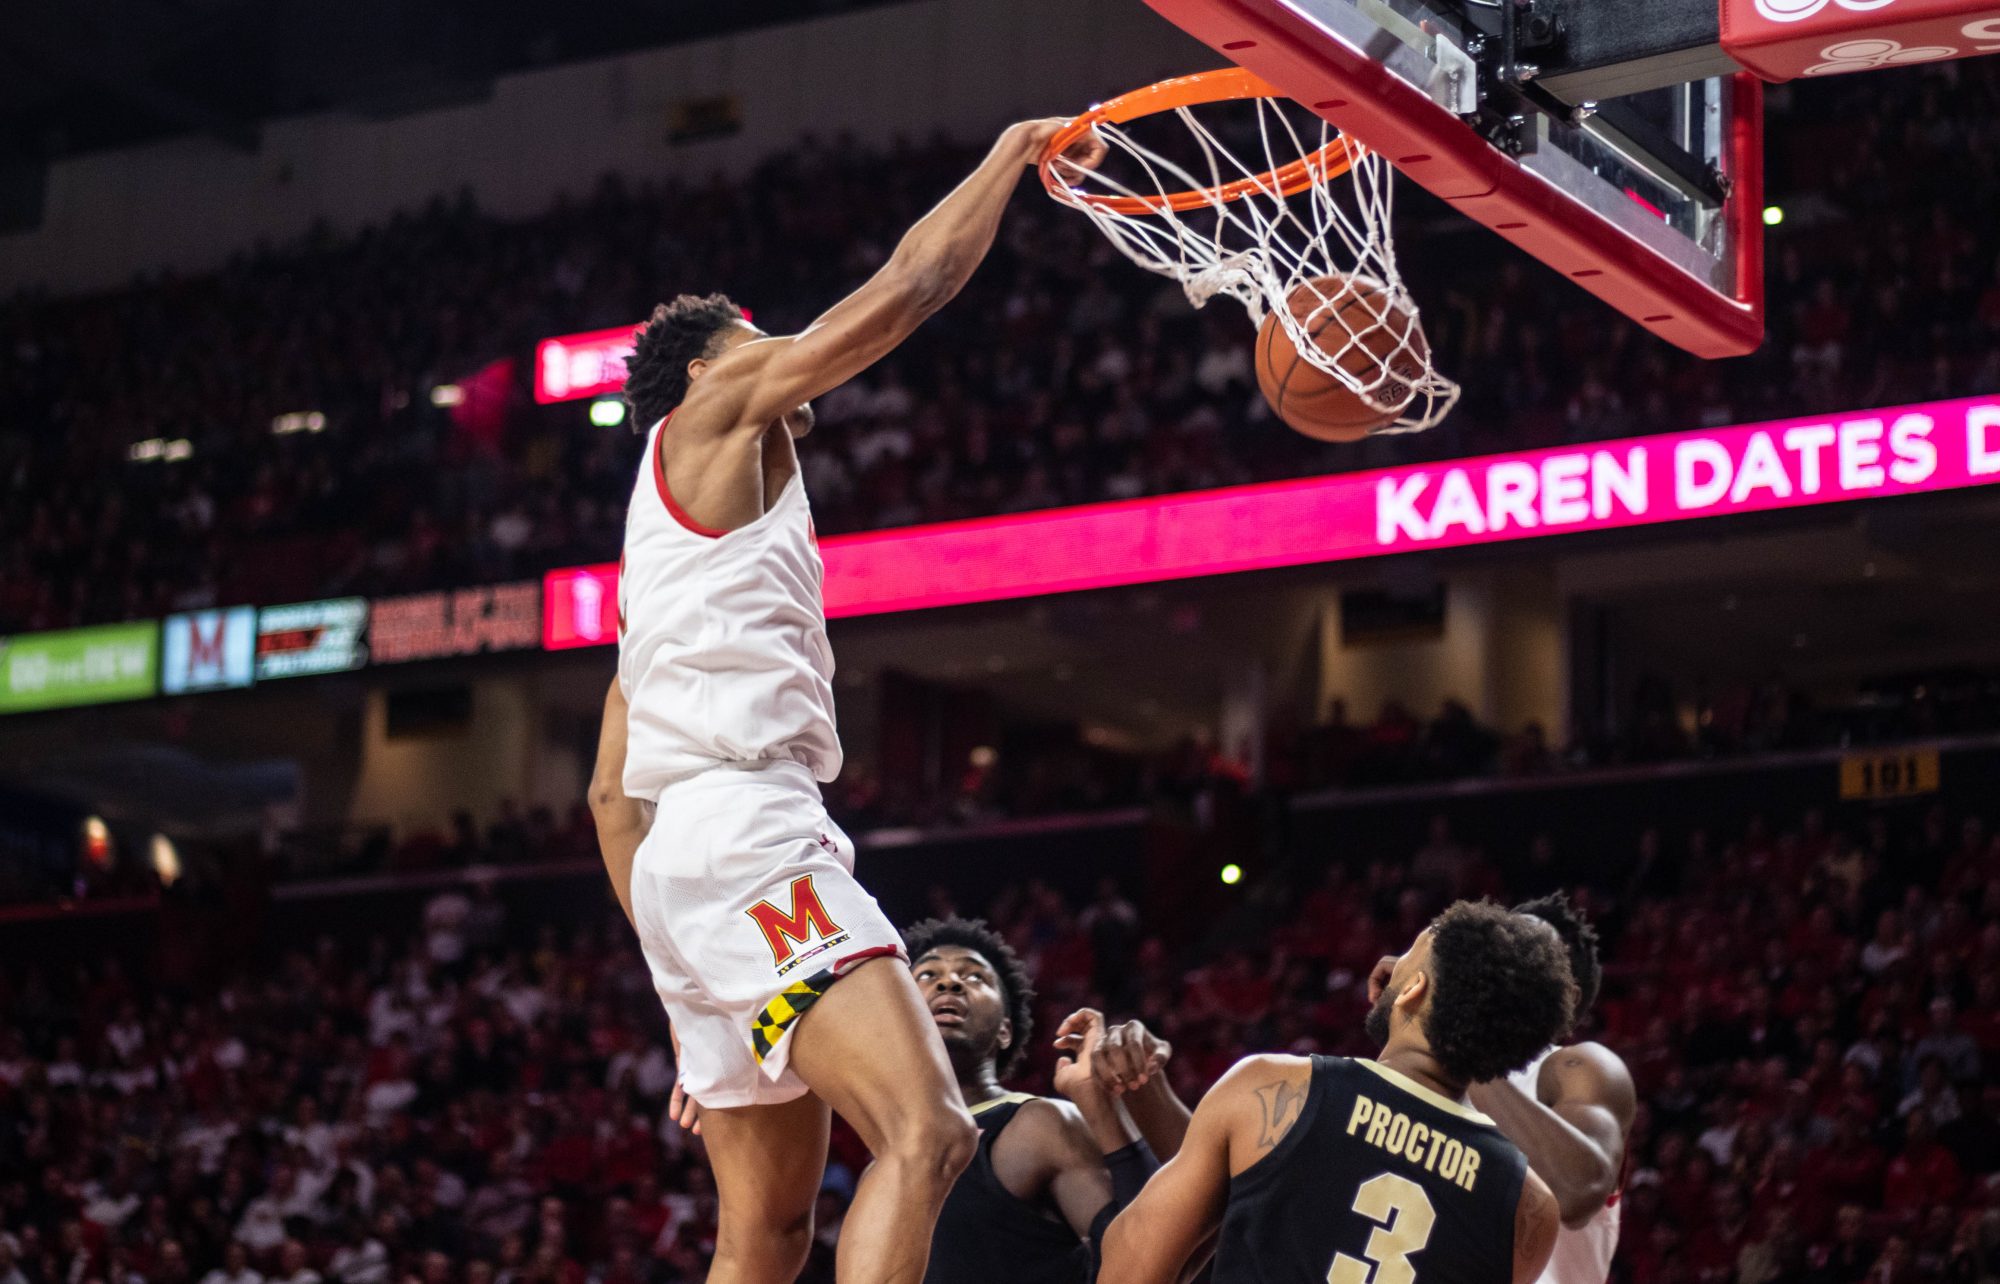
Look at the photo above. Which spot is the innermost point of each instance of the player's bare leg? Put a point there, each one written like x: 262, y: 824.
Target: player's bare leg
x: 768, y: 1162
x: 870, y: 1050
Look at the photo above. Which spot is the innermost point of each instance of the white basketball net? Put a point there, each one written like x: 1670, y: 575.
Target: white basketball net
x: 1263, y: 248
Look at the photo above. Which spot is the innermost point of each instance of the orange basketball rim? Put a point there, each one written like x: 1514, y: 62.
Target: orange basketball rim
x: 1223, y: 85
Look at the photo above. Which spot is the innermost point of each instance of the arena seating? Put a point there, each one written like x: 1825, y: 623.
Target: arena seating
x: 480, y: 1099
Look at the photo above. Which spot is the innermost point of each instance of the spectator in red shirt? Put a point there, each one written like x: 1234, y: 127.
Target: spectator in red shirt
x: 1849, y: 1169
x: 1722, y: 1237
x: 649, y: 1211
x: 630, y: 1151
x: 1923, y: 1174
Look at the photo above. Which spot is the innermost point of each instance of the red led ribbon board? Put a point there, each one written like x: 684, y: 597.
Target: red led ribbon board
x: 436, y: 626
x: 1636, y: 481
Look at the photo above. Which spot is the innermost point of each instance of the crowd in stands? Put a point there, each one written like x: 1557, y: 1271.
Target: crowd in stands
x: 1063, y: 375
x: 1401, y: 747
x: 1811, y: 1012
x: 1396, y: 748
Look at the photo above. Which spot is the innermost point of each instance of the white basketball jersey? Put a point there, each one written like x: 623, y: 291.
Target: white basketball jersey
x: 722, y: 650
x: 1583, y: 1255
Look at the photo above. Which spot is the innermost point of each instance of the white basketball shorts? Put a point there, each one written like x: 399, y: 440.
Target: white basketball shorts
x: 747, y: 908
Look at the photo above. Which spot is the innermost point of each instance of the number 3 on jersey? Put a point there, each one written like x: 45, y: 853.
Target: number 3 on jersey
x: 1403, y: 1216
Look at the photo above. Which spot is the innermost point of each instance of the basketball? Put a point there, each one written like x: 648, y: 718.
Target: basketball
x: 1365, y: 329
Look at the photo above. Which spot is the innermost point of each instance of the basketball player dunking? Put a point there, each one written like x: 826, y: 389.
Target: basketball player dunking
x: 1325, y: 1168
x: 1570, y: 1111
x: 1049, y: 1175
x: 782, y: 979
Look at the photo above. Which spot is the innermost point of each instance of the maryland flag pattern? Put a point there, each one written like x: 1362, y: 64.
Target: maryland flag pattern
x: 788, y: 1006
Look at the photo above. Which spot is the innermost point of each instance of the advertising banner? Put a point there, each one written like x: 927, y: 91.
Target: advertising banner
x: 208, y: 650
x: 573, y: 366
x: 306, y: 638
x: 580, y: 607
x: 436, y: 626
x: 79, y: 666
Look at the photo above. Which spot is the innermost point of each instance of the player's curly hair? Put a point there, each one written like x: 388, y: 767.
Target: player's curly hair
x: 1015, y: 986
x: 656, y: 374
x: 1500, y: 990
x: 1578, y: 937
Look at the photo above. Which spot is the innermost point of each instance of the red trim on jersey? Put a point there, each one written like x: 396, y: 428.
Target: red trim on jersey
x: 1624, y: 1175
x: 840, y: 965
x: 674, y: 510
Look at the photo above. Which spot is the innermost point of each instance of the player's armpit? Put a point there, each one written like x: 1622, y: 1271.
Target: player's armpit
x: 755, y: 384
x: 1535, y: 1222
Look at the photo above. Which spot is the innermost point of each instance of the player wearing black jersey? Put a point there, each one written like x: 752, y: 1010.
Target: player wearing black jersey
x: 1570, y: 1111
x: 1048, y: 1176
x: 1310, y: 1169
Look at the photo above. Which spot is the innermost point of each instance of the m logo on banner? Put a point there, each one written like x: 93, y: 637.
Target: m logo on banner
x: 808, y: 918
x: 207, y: 654
x: 208, y: 650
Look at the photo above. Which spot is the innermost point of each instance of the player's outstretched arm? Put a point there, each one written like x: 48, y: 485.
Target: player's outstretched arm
x: 1164, y: 1236
x: 1574, y: 1136
x: 753, y: 385
x: 621, y: 821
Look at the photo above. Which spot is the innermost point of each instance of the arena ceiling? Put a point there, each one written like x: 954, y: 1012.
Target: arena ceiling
x: 83, y: 75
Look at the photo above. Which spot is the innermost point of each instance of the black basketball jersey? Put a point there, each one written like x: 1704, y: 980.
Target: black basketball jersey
x: 1381, y: 1181
x: 986, y: 1236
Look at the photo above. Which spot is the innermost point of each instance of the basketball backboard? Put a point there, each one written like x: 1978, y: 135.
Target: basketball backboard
x: 1619, y: 141
x: 1652, y: 201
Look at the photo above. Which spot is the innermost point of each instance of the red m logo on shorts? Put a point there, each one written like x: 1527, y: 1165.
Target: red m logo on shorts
x: 807, y: 920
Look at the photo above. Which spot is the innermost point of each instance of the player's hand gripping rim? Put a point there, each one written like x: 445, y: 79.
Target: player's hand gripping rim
x: 1085, y: 153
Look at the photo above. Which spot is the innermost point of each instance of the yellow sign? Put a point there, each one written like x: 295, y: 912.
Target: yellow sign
x: 1900, y: 774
